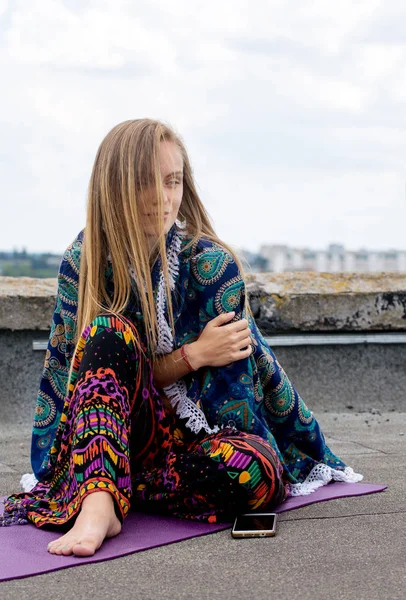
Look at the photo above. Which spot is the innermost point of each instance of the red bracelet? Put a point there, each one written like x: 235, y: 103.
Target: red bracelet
x: 185, y: 358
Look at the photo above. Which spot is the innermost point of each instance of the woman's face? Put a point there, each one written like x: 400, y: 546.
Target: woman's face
x: 171, y: 167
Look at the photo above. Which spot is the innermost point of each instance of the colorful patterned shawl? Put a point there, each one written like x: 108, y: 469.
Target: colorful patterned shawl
x: 253, y: 394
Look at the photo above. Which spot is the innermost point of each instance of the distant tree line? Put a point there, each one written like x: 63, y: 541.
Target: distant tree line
x: 20, y: 263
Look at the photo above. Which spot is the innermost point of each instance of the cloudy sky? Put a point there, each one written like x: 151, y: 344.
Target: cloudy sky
x: 293, y: 112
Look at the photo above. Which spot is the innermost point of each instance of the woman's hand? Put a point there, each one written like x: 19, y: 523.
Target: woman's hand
x: 220, y: 343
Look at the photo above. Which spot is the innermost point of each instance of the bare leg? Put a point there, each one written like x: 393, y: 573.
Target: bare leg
x: 96, y: 521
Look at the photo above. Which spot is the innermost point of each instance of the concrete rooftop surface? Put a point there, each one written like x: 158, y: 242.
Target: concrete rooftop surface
x: 350, y: 548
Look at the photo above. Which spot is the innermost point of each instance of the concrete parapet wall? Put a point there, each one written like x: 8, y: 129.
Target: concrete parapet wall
x: 357, y: 376
x: 281, y: 302
x: 321, y: 302
x: 26, y: 303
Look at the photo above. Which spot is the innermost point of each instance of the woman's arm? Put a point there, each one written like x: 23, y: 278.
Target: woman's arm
x: 220, y: 343
x: 219, y: 287
x: 171, y: 367
x: 216, y: 346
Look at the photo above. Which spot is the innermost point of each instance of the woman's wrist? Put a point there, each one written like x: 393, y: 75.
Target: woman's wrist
x: 185, y: 355
x: 194, y: 355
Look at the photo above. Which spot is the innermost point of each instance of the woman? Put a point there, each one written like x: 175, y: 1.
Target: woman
x: 158, y: 388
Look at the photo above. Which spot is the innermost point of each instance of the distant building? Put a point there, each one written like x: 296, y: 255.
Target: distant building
x: 335, y: 259
x: 252, y: 261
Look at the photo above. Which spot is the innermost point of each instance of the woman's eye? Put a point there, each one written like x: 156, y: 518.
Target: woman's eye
x: 173, y: 182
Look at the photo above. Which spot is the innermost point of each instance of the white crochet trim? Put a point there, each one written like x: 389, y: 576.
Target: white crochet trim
x: 187, y: 409
x: 321, y: 475
x: 165, y: 339
x: 176, y: 392
x: 28, y: 481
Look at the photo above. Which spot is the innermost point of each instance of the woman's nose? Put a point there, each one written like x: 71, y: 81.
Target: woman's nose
x: 166, y: 199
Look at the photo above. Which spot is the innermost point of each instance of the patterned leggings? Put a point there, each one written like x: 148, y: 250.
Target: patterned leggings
x: 117, y: 434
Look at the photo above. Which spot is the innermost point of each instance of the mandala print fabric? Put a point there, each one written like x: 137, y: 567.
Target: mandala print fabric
x: 253, y: 395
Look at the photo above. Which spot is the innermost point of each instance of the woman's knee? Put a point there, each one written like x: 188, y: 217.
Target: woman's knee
x: 259, y: 470
x: 113, y: 322
x: 112, y: 327
x: 269, y: 489
x: 109, y: 342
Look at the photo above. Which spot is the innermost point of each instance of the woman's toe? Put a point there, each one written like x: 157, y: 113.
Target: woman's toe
x: 67, y: 549
x: 84, y: 549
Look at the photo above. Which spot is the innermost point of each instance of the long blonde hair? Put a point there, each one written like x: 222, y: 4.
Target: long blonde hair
x: 126, y: 161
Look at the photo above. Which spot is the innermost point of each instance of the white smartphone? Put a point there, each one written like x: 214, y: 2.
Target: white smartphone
x: 254, y: 525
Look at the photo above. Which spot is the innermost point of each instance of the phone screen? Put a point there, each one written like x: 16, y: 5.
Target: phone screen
x: 255, y: 522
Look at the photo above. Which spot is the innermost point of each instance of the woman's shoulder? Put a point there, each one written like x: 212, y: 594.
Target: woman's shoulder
x: 70, y: 263
x: 211, y: 262
x: 205, y: 246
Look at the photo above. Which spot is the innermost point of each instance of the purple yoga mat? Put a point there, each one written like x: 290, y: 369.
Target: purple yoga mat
x: 23, y: 547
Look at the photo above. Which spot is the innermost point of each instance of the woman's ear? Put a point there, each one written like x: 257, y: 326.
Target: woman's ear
x: 180, y: 221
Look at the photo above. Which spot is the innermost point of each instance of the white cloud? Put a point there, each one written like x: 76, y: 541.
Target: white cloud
x: 48, y: 33
x: 293, y: 112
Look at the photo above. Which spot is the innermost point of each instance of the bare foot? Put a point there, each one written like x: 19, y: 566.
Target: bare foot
x: 96, y: 521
